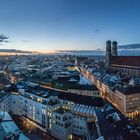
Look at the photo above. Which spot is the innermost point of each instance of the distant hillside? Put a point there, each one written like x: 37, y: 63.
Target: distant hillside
x: 130, y: 49
x: 81, y: 52
x: 13, y: 51
x: 129, y: 46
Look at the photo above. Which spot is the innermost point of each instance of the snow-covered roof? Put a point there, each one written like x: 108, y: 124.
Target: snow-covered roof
x: 22, y: 137
x: 8, y: 127
x: 84, y: 81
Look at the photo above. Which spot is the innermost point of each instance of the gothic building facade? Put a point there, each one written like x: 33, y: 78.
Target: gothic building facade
x: 129, y: 65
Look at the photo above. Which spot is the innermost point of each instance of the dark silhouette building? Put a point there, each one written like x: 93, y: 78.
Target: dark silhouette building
x: 108, y: 55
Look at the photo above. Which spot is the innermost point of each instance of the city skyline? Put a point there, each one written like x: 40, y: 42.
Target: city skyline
x: 48, y: 25
x: 69, y: 70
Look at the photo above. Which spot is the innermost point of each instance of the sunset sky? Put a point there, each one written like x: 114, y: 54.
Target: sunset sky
x: 68, y: 24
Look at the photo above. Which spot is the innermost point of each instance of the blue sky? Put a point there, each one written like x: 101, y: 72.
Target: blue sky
x: 68, y: 24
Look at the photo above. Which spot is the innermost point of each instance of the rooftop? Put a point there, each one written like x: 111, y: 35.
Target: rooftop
x: 113, y: 124
x: 61, y: 111
x: 8, y: 128
x: 129, y: 89
x: 79, y: 99
x: 133, y: 61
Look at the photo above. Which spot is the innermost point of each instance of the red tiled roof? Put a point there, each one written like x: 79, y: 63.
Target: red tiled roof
x: 126, y: 60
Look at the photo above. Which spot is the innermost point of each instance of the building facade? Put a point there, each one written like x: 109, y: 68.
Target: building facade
x: 127, y: 65
x: 63, y: 119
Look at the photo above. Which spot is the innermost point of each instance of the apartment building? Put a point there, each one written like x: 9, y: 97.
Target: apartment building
x: 128, y: 100
x: 56, y: 113
x: 125, y: 99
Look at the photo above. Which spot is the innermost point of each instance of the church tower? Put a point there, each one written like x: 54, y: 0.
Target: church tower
x: 114, y: 48
x: 108, y: 55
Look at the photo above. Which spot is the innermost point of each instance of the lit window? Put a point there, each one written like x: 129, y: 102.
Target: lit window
x: 39, y: 100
